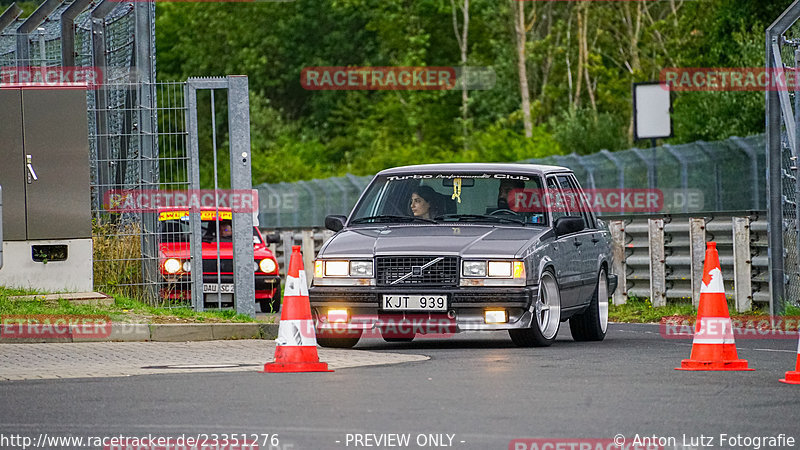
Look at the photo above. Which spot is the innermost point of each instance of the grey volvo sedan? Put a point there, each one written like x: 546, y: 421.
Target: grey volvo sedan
x: 442, y: 248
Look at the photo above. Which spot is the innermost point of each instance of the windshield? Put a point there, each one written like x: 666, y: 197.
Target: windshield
x: 449, y: 197
x: 178, y: 231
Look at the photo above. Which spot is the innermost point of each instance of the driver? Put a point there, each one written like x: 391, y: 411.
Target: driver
x: 225, y: 229
x: 506, y: 186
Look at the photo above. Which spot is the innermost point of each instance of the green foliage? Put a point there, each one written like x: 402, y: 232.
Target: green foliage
x: 580, y: 102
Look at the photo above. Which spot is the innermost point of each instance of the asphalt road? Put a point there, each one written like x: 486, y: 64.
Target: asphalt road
x: 477, y: 388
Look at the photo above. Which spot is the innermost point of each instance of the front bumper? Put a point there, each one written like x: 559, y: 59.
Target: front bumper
x: 179, y: 287
x: 465, y: 308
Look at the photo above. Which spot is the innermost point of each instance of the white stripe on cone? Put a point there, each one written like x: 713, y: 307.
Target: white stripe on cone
x: 296, y: 333
x: 296, y: 287
x: 714, y: 330
x: 715, y: 286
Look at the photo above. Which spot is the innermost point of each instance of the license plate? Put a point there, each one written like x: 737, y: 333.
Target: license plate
x: 429, y: 302
x: 209, y: 288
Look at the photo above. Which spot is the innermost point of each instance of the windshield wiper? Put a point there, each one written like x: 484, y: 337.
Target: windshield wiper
x: 389, y: 218
x: 480, y: 218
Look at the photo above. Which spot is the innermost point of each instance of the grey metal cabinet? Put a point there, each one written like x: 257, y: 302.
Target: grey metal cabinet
x: 44, y: 164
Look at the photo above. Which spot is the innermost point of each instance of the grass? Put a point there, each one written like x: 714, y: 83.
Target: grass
x: 124, y: 309
x: 640, y: 310
x: 117, y: 249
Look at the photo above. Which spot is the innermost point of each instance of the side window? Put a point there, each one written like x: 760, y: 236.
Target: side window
x: 588, y: 216
x: 570, y: 197
x: 558, y: 207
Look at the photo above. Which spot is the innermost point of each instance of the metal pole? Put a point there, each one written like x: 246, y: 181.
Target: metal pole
x: 241, y: 180
x: 195, y: 238
x: 774, y: 192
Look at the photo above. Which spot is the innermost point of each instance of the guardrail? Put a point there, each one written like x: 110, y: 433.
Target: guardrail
x: 659, y: 257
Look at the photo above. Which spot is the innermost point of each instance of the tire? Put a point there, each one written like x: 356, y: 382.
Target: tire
x: 339, y: 340
x: 592, y: 324
x: 271, y: 305
x: 547, y: 316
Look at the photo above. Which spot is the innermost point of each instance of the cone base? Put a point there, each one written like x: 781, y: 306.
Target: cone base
x: 733, y: 364
x: 791, y: 378
x: 296, y: 367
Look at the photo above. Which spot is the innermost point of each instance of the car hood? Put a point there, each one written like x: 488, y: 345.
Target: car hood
x: 462, y: 240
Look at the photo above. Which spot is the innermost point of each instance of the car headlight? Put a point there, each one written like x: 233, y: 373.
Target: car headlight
x: 187, y: 266
x: 361, y: 269
x: 343, y: 272
x: 267, y: 265
x: 493, y: 273
x: 474, y: 269
x: 500, y: 269
x: 172, y: 265
x: 337, y: 268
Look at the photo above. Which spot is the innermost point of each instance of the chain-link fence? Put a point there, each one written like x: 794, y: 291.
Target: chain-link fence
x: 117, y: 42
x: 691, y: 178
x: 782, y: 137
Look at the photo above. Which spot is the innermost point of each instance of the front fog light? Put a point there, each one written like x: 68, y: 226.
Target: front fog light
x: 337, y: 316
x: 496, y: 316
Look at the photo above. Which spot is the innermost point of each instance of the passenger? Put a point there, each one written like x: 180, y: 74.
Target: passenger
x: 425, y: 203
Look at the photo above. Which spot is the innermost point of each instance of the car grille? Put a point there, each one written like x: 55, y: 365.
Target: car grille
x: 210, y: 265
x: 441, y: 273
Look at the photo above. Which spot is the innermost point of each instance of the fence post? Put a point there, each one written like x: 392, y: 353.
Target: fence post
x: 658, y: 269
x: 287, y: 238
x: 617, y: 228
x: 308, y: 254
x: 697, y: 250
x: 742, y: 264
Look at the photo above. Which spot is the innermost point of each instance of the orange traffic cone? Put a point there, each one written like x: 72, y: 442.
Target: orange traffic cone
x: 794, y: 377
x: 297, y: 342
x: 713, y: 347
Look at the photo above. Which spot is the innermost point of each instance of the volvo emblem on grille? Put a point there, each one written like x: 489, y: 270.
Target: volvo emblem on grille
x: 416, y: 271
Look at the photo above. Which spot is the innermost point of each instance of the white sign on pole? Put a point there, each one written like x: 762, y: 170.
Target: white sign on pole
x: 652, y: 108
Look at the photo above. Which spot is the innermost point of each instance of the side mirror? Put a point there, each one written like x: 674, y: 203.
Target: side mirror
x: 568, y: 225
x: 273, y: 238
x: 335, y: 223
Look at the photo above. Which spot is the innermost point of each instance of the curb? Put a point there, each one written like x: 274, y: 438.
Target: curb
x: 133, y: 332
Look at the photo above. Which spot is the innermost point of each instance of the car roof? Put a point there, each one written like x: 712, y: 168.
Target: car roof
x: 475, y: 167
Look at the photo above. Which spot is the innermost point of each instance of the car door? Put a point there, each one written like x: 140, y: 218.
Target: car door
x: 564, y: 250
x: 587, y: 241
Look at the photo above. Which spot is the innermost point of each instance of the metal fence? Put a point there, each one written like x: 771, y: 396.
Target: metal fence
x: 726, y: 175
x: 117, y: 40
x: 782, y: 138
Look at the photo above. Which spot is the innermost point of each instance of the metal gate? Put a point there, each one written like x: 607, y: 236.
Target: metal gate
x: 783, y: 182
x: 144, y: 137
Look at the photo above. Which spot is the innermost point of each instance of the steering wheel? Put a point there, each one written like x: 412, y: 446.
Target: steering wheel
x: 503, y: 211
